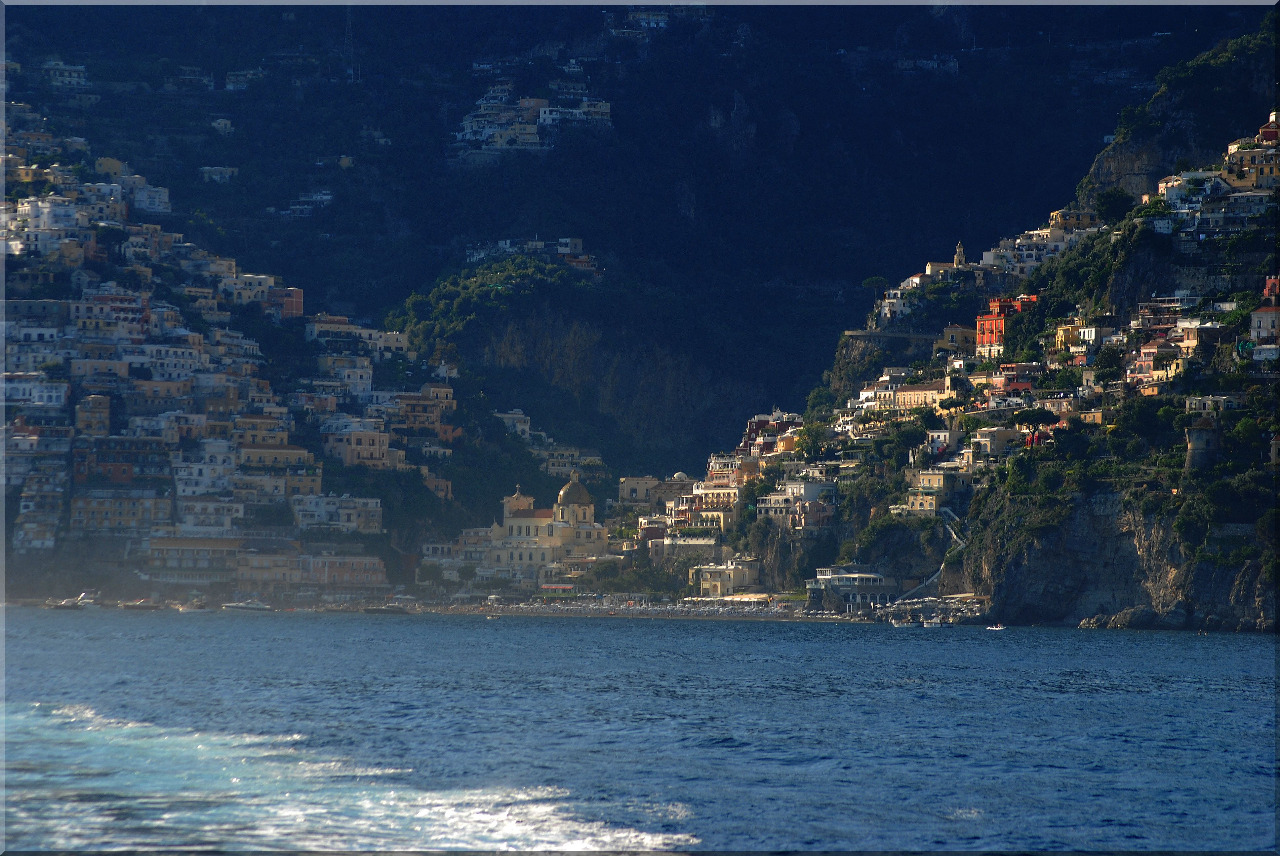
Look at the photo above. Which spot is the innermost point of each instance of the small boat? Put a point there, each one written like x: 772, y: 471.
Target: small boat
x: 194, y: 606
x: 492, y: 617
x: 995, y: 627
x: 905, y: 622
x: 144, y: 603
x: 67, y: 603
x: 248, y: 606
x: 932, y: 622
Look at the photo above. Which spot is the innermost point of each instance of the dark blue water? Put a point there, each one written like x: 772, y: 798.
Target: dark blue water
x: 335, y: 731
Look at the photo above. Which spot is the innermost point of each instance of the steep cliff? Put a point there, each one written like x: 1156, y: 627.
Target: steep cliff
x: 638, y: 401
x: 907, y: 549
x: 862, y: 355
x: 1226, y: 90
x: 1099, y: 560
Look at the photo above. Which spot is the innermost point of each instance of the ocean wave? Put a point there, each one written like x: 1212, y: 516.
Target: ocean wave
x: 79, y: 779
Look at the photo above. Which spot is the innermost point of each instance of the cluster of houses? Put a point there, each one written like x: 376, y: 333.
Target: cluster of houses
x: 1198, y: 206
x: 1164, y: 330
x: 1206, y: 204
x: 558, y: 459
x: 144, y: 420
x: 549, y: 551
x: 566, y: 251
x: 638, y: 23
x: 503, y: 122
x: 74, y: 79
x: 678, y: 517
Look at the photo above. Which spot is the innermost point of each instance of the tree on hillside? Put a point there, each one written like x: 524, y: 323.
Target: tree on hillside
x: 1108, y: 365
x: 810, y: 441
x: 1035, y: 417
x: 1113, y: 204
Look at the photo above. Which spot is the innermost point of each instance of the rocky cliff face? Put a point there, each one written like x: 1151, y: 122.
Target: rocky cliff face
x: 861, y: 357
x: 908, y: 553
x: 1221, y: 95
x: 1097, y: 562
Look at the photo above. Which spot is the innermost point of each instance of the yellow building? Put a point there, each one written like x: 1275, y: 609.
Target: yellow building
x: 733, y: 577
x: 93, y: 416
x: 1067, y: 335
x: 957, y: 339
x: 1069, y: 220
x: 357, y: 442
x: 928, y: 394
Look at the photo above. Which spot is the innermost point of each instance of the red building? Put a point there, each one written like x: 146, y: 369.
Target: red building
x: 120, y: 460
x: 1263, y: 321
x: 285, y: 301
x: 990, y: 327
x: 1270, y: 131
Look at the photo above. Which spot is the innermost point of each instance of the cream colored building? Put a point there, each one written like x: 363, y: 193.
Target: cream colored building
x: 530, y: 545
x: 528, y: 540
x: 360, y: 442
x: 733, y: 577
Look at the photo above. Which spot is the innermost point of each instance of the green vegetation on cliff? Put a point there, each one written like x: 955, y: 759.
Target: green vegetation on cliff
x: 1200, y: 105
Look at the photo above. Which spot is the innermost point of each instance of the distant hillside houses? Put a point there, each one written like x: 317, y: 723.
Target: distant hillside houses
x: 568, y: 251
x: 146, y: 421
x: 683, y: 516
x: 62, y: 76
x: 1147, y: 349
x: 502, y: 122
x: 1205, y: 204
x: 558, y: 459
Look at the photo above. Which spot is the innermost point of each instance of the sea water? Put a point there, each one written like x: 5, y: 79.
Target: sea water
x: 383, y: 732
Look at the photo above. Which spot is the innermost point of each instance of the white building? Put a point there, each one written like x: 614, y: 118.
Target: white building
x: 152, y: 200
x: 347, y: 513
x: 33, y: 388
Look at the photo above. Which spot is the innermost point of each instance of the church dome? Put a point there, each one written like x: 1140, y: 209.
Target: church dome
x: 574, y: 493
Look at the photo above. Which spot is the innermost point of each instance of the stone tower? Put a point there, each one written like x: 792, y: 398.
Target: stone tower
x: 1203, y: 440
x: 959, y: 259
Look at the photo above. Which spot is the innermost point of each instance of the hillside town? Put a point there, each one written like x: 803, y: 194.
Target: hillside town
x: 139, y: 420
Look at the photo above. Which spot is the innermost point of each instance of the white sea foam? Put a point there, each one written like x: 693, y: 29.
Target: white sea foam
x: 233, y: 791
x: 89, y: 719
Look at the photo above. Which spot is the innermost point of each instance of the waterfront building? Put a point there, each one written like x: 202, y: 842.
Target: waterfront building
x: 856, y: 585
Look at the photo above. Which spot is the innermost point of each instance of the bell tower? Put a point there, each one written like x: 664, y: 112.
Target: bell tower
x: 514, y: 503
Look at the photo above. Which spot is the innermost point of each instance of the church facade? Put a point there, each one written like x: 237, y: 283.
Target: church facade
x: 530, y: 546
